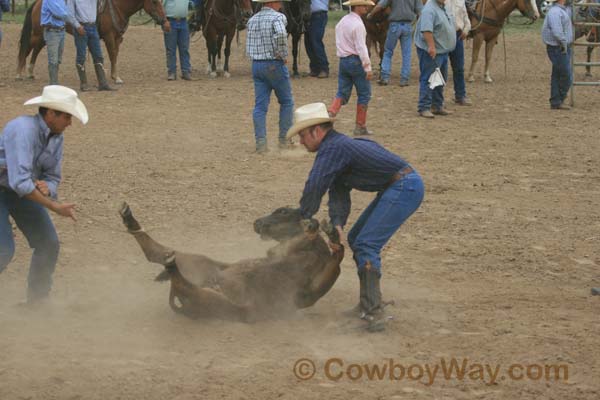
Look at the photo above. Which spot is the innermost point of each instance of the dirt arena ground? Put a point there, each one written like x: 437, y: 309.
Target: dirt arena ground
x: 494, y: 269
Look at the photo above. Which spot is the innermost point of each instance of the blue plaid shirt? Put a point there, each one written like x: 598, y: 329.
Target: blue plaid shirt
x: 267, y: 37
x: 343, y: 164
x: 558, y: 29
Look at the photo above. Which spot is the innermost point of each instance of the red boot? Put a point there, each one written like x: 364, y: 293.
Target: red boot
x: 361, y: 121
x: 334, y: 108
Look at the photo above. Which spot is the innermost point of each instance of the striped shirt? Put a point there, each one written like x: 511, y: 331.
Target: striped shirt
x: 557, y: 29
x: 29, y: 152
x: 343, y: 164
x: 267, y: 38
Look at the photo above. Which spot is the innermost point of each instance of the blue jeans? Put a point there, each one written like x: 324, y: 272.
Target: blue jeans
x: 457, y: 61
x: 90, y: 40
x: 397, y: 31
x: 313, y: 42
x: 33, y: 220
x: 382, y: 218
x: 268, y: 76
x: 55, y: 43
x: 352, y: 74
x: 178, y: 38
x: 429, y: 98
x: 562, y: 76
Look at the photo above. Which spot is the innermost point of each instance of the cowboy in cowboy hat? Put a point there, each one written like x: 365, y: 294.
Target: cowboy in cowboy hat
x: 31, y: 150
x: 342, y: 164
x: 355, y: 64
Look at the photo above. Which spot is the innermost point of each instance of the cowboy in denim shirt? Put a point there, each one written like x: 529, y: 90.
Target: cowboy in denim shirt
x: 31, y: 152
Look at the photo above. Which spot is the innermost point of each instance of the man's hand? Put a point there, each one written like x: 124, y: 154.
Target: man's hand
x: 167, y: 26
x: 563, y: 49
x: 463, y: 35
x: 370, y: 15
x: 65, y: 210
x: 431, y: 51
x: 81, y: 31
x: 42, y: 186
x: 335, y: 247
x: 369, y: 75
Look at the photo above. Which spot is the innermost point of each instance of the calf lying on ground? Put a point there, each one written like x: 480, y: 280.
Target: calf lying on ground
x: 295, y: 274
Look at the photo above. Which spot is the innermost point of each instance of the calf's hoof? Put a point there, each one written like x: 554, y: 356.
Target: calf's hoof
x: 488, y: 79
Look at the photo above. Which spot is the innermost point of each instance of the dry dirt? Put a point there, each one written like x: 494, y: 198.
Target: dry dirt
x: 495, y: 268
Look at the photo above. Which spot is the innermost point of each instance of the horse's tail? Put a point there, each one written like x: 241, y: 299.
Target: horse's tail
x: 26, y: 34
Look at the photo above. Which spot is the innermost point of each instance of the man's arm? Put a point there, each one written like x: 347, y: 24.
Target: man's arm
x: 339, y: 204
x: 359, y: 35
x: 380, y: 6
x: 62, y: 209
x: 280, y: 38
x: 59, y: 10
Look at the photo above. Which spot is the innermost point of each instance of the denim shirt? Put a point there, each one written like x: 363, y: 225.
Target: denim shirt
x: 27, y: 153
x: 56, y: 13
x: 343, y: 164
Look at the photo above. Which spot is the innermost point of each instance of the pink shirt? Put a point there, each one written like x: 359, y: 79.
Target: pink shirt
x: 351, y: 39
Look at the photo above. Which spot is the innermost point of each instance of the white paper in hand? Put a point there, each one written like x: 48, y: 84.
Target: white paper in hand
x: 436, y: 79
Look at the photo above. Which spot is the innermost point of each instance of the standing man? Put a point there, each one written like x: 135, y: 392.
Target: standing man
x: 178, y: 37
x: 54, y: 15
x: 557, y: 34
x: 435, y: 37
x: 457, y: 56
x: 4, y: 7
x: 403, y: 14
x: 84, y: 12
x: 313, y: 39
x: 266, y: 45
x: 355, y: 64
x: 343, y: 164
x: 31, y: 152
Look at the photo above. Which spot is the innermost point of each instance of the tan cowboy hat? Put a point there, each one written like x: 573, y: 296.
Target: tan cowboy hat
x: 60, y: 98
x: 309, y: 115
x: 358, y: 3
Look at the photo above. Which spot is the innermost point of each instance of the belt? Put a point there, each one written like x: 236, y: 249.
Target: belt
x: 87, y: 23
x: 319, y: 12
x: 404, y: 21
x: 4, y: 189
x: 399, y: 175
x: 54, y: 28
x: 176, y: 19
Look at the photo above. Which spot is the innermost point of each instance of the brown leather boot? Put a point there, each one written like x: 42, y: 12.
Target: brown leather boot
x: 334, y: 108
x: 361, y: 121
x: 83, y: 85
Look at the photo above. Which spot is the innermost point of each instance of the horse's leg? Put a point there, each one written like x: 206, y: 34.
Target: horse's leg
x: 219, y: 48
x: 22, y: 59
x: 588, y: 69
x: 34, y: 54
x: 295, y: 42
x: 489, y: 48
x: 477, y: 41
x: 228, y: 40
x: 111, y: 49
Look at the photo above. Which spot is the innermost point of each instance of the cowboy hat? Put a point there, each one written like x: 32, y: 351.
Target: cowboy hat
x: 60, y: 98
x: 309, y: 115
x: 358, y: 3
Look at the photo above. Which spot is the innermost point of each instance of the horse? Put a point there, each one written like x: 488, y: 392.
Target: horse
x: 297, y: 14
x: 377, y: 28
x: 222, y: 19
x: 487, y: 20
x: 112, y: 21
x: 588, y: 14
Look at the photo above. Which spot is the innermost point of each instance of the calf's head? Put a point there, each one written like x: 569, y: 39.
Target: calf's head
x: 284, y: 224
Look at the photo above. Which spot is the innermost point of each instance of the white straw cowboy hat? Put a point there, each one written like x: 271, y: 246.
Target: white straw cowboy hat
x: 358, y: 3
x: 60, y: 98
x: 309, y: 115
